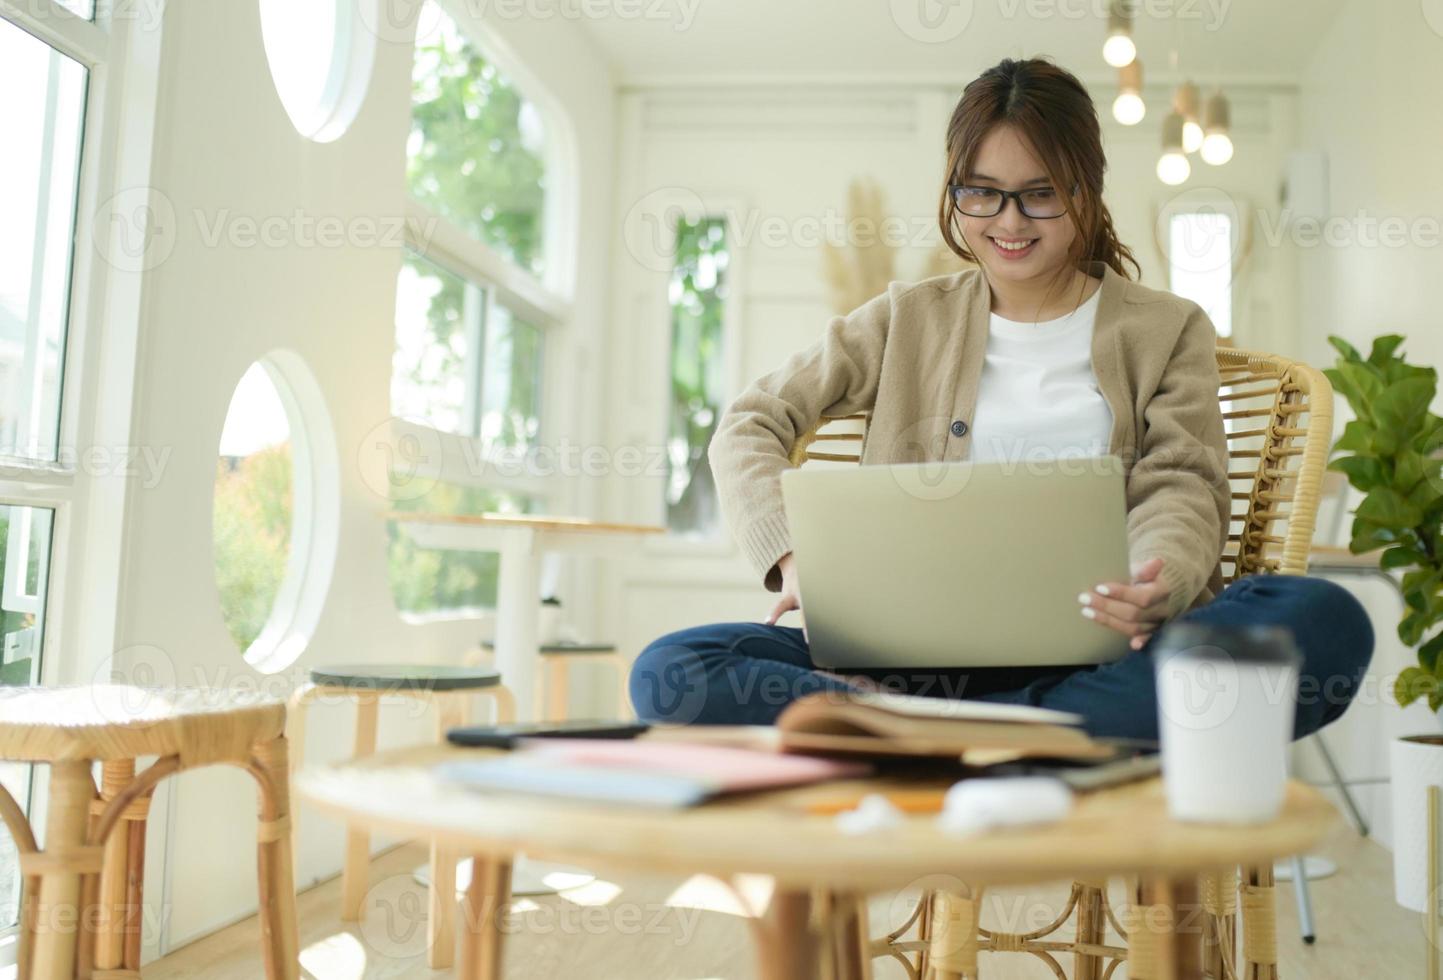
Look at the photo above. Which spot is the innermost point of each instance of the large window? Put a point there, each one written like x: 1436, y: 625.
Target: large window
x: 698, y: 293
x: 429, y: 581
x: 477, y: 147
x: 41, y: 120
x: 474, y: 317
x: 464, y: 363
x: 1200, y: 263
x: 42, y: 142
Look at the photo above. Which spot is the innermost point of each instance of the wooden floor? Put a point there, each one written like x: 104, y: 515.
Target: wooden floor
x: 638, y: 928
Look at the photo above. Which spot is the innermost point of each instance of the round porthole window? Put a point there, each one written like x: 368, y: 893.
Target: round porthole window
x: 320, y: 54
x: 274, y: 514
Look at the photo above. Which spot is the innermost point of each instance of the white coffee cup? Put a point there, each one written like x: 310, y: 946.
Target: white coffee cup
x: 1226, y: 706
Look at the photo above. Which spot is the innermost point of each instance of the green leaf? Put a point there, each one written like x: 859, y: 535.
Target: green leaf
x: 1428, y: 654
x: 1383, y: 348
x: 1403, y: 407
x: 1411, y: 628
x: 1413, y: 683
x: 1401, y: 556
x: 1370, y: 537
x: 1432, y: 436
x: 1388, y: 508
x: 1365, y: 380
x: 1357, y: 438
x: 1348, y: 351
x: 1408, y: 469
x: 1364, y: 472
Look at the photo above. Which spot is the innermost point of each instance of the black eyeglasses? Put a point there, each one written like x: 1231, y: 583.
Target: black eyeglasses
x: 985, y: 202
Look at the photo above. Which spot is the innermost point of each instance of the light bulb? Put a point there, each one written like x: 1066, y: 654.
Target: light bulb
x: 1128, y: 109
x: 1118, y: 50
x: 1192, y: 136
x: 1173, y: 168
x: 1217, y: 149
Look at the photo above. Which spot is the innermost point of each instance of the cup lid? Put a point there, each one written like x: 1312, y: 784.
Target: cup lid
x: 1261, y: 644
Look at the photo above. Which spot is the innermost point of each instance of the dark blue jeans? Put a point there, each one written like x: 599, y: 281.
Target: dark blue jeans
x: 746, y: 673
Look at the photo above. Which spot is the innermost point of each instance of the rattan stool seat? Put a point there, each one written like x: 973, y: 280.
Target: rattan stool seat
x: 117, y: 721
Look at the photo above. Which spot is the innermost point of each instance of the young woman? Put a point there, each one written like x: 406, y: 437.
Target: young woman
x: 1048, y: 349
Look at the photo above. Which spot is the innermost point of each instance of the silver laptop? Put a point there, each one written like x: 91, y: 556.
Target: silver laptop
x: 957, y: 564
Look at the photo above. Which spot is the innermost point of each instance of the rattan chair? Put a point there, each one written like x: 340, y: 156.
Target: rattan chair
x: 1278, y: 415
x: 92, y: 867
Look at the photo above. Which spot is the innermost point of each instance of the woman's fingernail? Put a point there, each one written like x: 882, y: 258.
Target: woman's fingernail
x: 1084, y: 598
x: 1089, y: 612
x: 1104, y: 590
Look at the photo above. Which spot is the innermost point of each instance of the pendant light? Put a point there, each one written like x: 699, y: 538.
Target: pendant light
x: 1119, y: 50
x: 1172, y: 166
x: 1185, y: 104
x: 1217, y: 144
x: 1128, y: 108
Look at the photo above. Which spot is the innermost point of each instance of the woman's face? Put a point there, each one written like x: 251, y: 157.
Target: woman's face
x: 1010, y: 245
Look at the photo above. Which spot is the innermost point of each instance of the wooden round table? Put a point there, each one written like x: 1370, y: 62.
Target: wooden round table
x: 816, y: 923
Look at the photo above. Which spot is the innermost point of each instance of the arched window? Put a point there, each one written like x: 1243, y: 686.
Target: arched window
x: 476, y: 309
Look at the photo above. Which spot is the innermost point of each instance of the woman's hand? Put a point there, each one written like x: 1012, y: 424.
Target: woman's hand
x: 790, y: 597
x: 1135, y: 610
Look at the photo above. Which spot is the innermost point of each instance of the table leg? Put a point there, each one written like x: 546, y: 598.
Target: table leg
x: 488, y: 897
x: 843, y: 922
x: 1169, y: 911
x: 518, y: 615
x: 357, y: 864
x: 451, y: 712
x: 787, y: 945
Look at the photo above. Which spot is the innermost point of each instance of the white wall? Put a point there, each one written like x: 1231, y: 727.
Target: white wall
x: 1366, y: 102
x: 223, y: 144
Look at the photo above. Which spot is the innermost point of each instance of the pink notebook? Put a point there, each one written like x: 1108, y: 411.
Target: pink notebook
x: 644, y: 773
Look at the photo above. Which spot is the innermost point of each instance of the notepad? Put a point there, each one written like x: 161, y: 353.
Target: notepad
x: 665, y: 774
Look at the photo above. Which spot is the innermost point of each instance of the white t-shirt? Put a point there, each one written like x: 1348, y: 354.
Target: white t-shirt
x: 1038, y: 398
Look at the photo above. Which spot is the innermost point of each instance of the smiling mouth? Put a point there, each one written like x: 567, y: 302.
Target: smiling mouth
x: 1012, y: 248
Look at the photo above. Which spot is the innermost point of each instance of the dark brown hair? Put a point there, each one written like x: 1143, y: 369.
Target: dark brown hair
x: 1053, y: 112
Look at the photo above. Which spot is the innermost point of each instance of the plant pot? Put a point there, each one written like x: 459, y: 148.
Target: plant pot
x: 1415, y: 762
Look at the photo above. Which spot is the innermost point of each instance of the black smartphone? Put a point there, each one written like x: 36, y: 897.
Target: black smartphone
x: 506, y: 736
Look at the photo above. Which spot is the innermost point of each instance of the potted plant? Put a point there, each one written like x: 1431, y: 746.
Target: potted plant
x: 1390, y: 453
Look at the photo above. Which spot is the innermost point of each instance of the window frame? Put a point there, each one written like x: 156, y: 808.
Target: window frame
x: 97, y: 373
x: 544, y: 302
x: 678, y: 204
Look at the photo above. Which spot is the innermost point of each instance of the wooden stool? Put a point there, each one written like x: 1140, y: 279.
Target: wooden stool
x: 93, y: 868
x: 449, y: 688
x: 553, y: 694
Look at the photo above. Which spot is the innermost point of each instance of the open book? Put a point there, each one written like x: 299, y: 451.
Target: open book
x: 898, y: 724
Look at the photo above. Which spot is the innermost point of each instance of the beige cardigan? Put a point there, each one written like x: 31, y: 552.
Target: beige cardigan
x: 912, y: 358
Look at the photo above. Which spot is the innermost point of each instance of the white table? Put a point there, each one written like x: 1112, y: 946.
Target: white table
x: 522, y: 541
